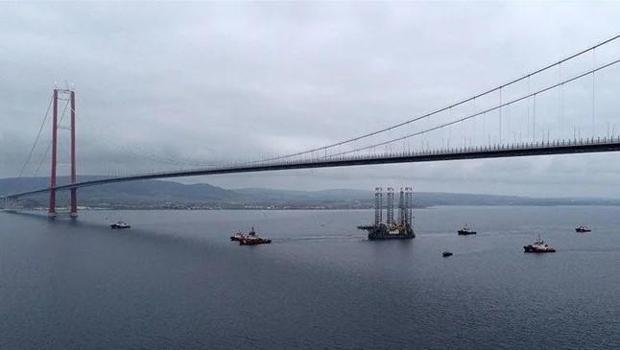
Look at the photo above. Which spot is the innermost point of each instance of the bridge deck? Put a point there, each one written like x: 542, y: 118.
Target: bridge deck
x: 514, y: 150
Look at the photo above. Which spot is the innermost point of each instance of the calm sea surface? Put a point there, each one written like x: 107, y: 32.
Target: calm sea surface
x: 175, y: 281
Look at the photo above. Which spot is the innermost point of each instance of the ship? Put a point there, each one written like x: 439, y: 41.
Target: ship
x: 119, y: 225
x: 538, y: 247
x: 392, y: 229
x: 446, y: 254
x: 582, y: 228
x: 465, y: 230
x: 249, y: 239
x: 239, y: 235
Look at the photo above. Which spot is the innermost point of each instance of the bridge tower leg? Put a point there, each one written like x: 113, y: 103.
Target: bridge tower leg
x: 73, y: 212
x: 52, y: 206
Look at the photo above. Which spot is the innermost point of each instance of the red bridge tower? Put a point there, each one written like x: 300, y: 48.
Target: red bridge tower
x: 73, y: 205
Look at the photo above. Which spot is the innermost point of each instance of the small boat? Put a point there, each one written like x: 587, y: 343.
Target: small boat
x: 582, y: 228
x: 465, y: 230
x: 120, y: 225
x: 239, y: 236
x: 250, y: 239
x: 446, y: 254
x: 538, y: 247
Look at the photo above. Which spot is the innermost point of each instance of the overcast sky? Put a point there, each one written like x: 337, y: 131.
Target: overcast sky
x: 169, y: 84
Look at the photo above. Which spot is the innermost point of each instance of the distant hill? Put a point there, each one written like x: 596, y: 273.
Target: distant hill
x: 151, y: 194
x: 421, y: 199
x: 138, y: 194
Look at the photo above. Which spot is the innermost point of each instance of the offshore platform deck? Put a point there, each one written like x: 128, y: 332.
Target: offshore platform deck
x: 392, y: 229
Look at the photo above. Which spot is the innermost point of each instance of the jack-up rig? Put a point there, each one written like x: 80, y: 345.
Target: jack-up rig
x: 392, y: 229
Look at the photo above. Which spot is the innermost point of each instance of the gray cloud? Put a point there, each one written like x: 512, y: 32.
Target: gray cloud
x: 165, y: 84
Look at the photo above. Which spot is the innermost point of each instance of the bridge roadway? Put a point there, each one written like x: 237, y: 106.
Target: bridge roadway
x: 514, y: 150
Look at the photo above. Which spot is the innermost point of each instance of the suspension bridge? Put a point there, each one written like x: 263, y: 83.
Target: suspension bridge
x: 551, y: 110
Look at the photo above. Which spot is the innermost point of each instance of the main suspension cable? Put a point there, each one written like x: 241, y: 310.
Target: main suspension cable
x: 437, y: 111
x: 541, y: 91
x: 36, y: 140
x: 49, y: 145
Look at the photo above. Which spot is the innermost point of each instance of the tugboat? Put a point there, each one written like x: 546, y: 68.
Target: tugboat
x: 465, y: 230
x: 446, y: 254
x: 538, y: 247
x: 250, y: 239
x: 119, y: 225
x: 239, y: 236
x: 582, y: 228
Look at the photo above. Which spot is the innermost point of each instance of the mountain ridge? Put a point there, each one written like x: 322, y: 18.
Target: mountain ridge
x: 155, y: 194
